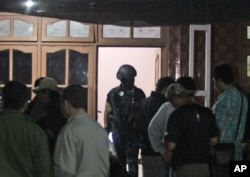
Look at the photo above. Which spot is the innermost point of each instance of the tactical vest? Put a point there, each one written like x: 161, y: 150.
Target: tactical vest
x: 125, y: 103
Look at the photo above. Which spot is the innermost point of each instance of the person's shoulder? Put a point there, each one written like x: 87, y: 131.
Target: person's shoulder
x: 79, y: 120
x: 185, y: 109
x: 17, y: 117
x: 167, y: 105
x: 200, y: 108
x: 113, y: 90
x: 203, y: 108
x: 195, y: 106
x: 28, y: 120
x: 138, y: 89
x: 32, y: 126
x: 82, y: 124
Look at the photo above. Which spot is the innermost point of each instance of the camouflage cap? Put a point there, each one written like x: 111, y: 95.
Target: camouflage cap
x: 176, y: 89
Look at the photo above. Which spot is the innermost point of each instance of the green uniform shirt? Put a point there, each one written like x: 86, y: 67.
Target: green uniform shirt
x: 23, y: 147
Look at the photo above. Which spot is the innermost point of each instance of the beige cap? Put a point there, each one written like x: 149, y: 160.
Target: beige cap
x: 46, y: 83
x: 176, y: 89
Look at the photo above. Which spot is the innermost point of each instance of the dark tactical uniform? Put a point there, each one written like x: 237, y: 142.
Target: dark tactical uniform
x: 146, y: 112
x: 124, y: 105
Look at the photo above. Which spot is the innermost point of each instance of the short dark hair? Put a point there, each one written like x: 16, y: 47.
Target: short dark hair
x: 188, y: 83
x: 15, y: 95
x: 37, y: 81
x: 164, y: 82
x: 76, y: 95
x: 223, y: 72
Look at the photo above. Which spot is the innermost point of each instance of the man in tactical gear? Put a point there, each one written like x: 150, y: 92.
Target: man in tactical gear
x: 119, y: 116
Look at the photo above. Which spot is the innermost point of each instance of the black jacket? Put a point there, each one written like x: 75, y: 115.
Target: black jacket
x: 146, y: 112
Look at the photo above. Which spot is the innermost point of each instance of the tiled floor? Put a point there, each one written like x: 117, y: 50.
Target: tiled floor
x: 112, y: 150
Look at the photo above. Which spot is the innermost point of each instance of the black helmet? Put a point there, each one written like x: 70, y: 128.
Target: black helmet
x: 126, y: 71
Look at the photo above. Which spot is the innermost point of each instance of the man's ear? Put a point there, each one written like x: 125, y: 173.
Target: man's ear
x: 67, y: 104
x: 219, y: 81
x: 65, y: 108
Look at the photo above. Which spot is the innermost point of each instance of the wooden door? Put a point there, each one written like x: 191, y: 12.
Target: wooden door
x: 71, y: 65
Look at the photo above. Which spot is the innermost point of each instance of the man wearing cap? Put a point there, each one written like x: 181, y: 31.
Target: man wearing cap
x: 121, y: 107
x: 191, y: 130
x: 158, y: 124
x: 53, y: 119
x: 35, y: 108
x: 46, y: 83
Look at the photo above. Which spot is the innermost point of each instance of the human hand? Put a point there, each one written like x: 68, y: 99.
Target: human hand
x: 168, y: 156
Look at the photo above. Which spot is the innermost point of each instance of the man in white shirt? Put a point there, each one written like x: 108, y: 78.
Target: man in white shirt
x: 82, y: 148
x: 156, y: 131
x: 157, y: 127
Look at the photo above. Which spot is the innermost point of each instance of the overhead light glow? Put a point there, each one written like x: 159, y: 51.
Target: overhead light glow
x: 29, y: 3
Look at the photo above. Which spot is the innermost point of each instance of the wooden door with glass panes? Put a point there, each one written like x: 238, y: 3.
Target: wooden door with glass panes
x: 18, y: 27
x: 55, y: 30
x: 18, y: 63
x: 70, y: 65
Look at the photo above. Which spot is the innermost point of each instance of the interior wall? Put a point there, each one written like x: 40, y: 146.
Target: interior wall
x: 109, y: 61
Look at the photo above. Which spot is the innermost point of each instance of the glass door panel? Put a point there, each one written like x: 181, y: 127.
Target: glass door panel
x: 23, y: 28
x: 71, y: 65
x: 4, y: 66
x: 18, y: 28
x: 66, y: 30
x: 55, y: 66
x: 22, y: 66
x: 5, y: 28
x: 78, y: 68
x: 18, y: 63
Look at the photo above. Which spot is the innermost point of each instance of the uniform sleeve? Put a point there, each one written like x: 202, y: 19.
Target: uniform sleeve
x: 65, y: 155
x: 42, y: 162
x: 111, y: 94
x: 156, y: 130
x: 108, y: 97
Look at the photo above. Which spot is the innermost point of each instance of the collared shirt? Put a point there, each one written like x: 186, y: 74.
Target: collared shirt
x: 82, y: 149
x: 24, y: 149
x: 157, y: 127
x: 226, y: 110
